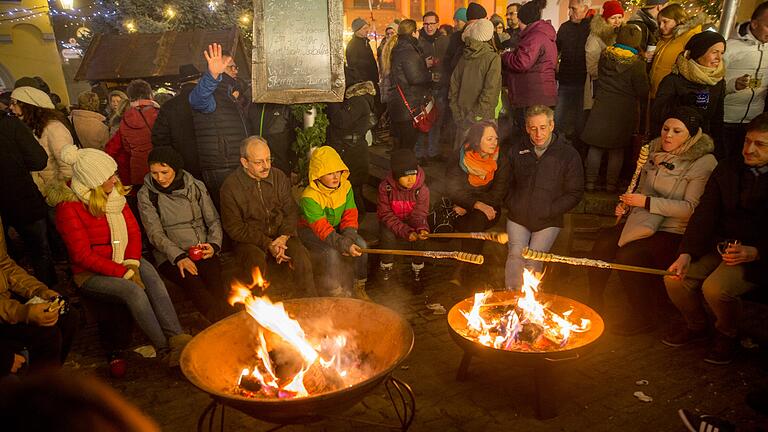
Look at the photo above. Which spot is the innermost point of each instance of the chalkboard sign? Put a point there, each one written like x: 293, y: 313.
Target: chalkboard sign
x: 298, y: 53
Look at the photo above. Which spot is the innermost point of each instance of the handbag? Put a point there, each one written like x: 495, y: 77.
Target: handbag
x: 427, y: 115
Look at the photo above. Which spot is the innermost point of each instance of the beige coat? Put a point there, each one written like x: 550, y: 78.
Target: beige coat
x: 90, y: 128
x: 601, y: 35
x: 658, y: 182
x: 55, y: 137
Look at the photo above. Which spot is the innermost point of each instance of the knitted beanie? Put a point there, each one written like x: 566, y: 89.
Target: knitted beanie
x: 90, y: 167
x: 611, y: 8
x: 691, y: 118
x: 403, y: 163
x: 460, y: 15
x: 698, y: 45
x: 531, y: 11
x: 358, y: 23
x: 32, y: 96
x: 479, y: 30
x: 475, y: 11
x: 166, y: 155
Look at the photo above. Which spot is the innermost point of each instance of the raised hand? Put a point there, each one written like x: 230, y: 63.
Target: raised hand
x: 216, y: 63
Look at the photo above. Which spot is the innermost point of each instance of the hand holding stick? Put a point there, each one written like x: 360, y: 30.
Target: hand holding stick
x: 642, y: 158
x: 548, y: 257
x: 498, y: 237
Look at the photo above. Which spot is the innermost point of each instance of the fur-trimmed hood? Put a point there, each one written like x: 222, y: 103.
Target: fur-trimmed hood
x: 360, y: 89
x: 59, y: 192
x: 705, y: 145
x: 600, y: 28
x: 699, y: 20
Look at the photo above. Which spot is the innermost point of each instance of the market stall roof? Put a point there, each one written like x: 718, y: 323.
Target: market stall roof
x: 153, y: 56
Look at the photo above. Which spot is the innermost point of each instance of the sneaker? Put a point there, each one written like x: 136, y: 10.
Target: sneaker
x: 386, y: 271
x: 417, y: 285
x: 704, y: 423
x: 723, y: 348
x: 632, y: 327
x: 684, y: 337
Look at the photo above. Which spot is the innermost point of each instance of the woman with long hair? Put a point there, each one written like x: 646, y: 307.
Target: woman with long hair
x: 104, y: 244
x: 410, y: 81
x: 603, y: 29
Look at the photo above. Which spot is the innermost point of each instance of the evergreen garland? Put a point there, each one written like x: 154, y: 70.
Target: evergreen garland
x: 308, y: 138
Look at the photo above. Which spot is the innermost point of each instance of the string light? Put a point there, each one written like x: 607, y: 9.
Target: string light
x: 130, y: 26
x: 245, y: 19
x: 212, y: 5
x: 170, y: 13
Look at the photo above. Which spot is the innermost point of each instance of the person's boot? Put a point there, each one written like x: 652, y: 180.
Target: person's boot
x: 386, y: 270
x: 417, y: 286
x: 177, y: 344
x: 360, y: 290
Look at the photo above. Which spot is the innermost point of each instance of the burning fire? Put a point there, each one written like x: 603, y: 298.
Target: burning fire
x: 522, y: 325
x: 325, y: 361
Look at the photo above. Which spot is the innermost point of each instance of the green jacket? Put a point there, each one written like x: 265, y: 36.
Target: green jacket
x: 476, y: 83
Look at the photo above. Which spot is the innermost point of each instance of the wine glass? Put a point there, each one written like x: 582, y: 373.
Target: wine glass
x: 722, y: 246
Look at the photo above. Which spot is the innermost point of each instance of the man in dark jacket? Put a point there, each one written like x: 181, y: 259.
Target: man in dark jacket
x: 433, y: 47
x: 259, y: 213
x: 723, y: 248
x: 219, y: 120
x: 174, y: 126
x: 572, y: 73
x: 546, y: 181
x: 21, y: 204
x: 359, y: 54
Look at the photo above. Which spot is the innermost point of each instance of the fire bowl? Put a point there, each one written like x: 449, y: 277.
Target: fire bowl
x: 214, y: 359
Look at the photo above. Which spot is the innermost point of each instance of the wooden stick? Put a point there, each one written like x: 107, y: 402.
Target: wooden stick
x: 642, y: 158
x: 548, y: 257
x: 458, y: 256
x: 498, y: 237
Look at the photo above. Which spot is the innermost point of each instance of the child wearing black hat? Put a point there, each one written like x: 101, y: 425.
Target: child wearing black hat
x: 402, y: 209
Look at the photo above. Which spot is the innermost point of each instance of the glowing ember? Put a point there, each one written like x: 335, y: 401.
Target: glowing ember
x: 520, y: 325
x: 326, y: 364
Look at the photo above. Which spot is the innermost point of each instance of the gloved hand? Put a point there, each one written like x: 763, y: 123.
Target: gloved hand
x: 136, y: 276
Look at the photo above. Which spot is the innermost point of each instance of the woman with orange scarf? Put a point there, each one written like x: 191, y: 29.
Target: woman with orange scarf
x: 477, y: 185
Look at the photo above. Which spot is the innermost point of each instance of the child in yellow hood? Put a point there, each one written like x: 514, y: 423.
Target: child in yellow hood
x: 328, y: 224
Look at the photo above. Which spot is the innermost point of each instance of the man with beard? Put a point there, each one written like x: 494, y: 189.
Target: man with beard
x: 259, y: 213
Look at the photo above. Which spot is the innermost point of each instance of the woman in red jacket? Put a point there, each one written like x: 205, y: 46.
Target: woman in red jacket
x: 104, y: 244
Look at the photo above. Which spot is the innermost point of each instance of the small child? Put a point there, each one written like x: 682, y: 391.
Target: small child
x: 328, y: 224
x: 402, y: 209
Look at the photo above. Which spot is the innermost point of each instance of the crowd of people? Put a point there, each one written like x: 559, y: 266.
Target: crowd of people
x: 132, y: 194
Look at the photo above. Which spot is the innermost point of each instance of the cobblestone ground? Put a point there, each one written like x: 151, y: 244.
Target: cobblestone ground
x: 594, y: 393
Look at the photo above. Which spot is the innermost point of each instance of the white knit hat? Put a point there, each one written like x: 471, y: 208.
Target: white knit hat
x: 479, y: 30
x: 32, y: 96
x: 90, y: 167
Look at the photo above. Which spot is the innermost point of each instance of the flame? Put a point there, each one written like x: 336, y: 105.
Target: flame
x: 505, y: 331
x: 240, y: 291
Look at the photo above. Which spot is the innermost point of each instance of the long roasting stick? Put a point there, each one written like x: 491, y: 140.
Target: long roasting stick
x: 642, y: 158
x: 458, y: 256
x: 548, y: 257
x: 498, y: 237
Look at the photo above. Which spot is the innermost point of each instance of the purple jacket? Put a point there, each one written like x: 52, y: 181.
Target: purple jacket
x: 529, y: 70
x: 402, y: 210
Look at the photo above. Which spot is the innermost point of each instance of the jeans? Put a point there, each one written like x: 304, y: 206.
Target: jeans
x: 213, y: 180
x: 615, y: 160
x: 206, y: 289
x: 35, y: 237
x: 432, y: 138
x: 569, y: 112
x: 151, y: 307
x: 519, y: 238
x: 332, y: 267
x: 250, y: 256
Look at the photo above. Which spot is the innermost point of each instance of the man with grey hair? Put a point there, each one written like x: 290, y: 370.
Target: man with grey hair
x: 546, y: 180
x: 259, y: 214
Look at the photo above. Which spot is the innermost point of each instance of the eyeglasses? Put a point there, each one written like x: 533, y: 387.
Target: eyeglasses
x: 262, y: 162
x: 430, y: 23
x: 232, y: 66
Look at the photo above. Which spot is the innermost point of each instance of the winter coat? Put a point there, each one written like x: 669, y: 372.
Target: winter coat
x: 601, y: 36
x: 571, y: 46
x: 409, y: 71
x: 464, y: 195
x: 476, y: 83
x: 452, y: 56
x: 90, y: 128
x: 648, y: 25
x: 744, y: 55
x: 258, y: 211
x: 20, y: 199
x: 722, y: 214
x: 403, y: 211
x: 88, y: 239
x: 277, y: 125
x: 435, y: 47
x: 349, y: 121
x: 16, y: 282
x: 55, y: 137
x: 529, y: 70
x: 131, y: 145
x: 677, y: 90
x: 178, y: 220
x: 174, y: 127
x: 542, y: 190
x: 621, y: 88
x: 667, y: 50
x: 220, y: 123
x: 360, y: 59
x: 675, y: 192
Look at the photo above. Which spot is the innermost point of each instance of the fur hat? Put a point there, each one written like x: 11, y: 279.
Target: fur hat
x: 479, y: 30
x: 90, y: 167
x: 531, y: 11
x: 475, y: 11
x: 403, y: 163
x: 611, y: 8
x: 698, y: 45
x: 460, y: 15
x: 630, y: 35
x: 358, y: 23
x: 32, y: 96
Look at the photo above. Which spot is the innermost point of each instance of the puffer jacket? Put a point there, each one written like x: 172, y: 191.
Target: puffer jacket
x: 131, y: 145
x: 55, y: 137
x: 178, y: 220
x: 667, y: 50
x: 542, y: 190
x: 675, y: 192
x: 601, y: 36
x: 14, y: 280
x: 409, y: 71
x: 529, y: 70
x: 745, y: 55
x: 403, y: 211
x: 476, y: 83
x: 571, y: 41
x: 90, y: 128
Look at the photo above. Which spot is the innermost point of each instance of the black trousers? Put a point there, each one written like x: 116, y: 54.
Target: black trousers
x: 406, y: 134
x: 644, y: 292
x: 47, y: 346
x: 206, y: 289
x: 474, y: 220
x: 390, y: 241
